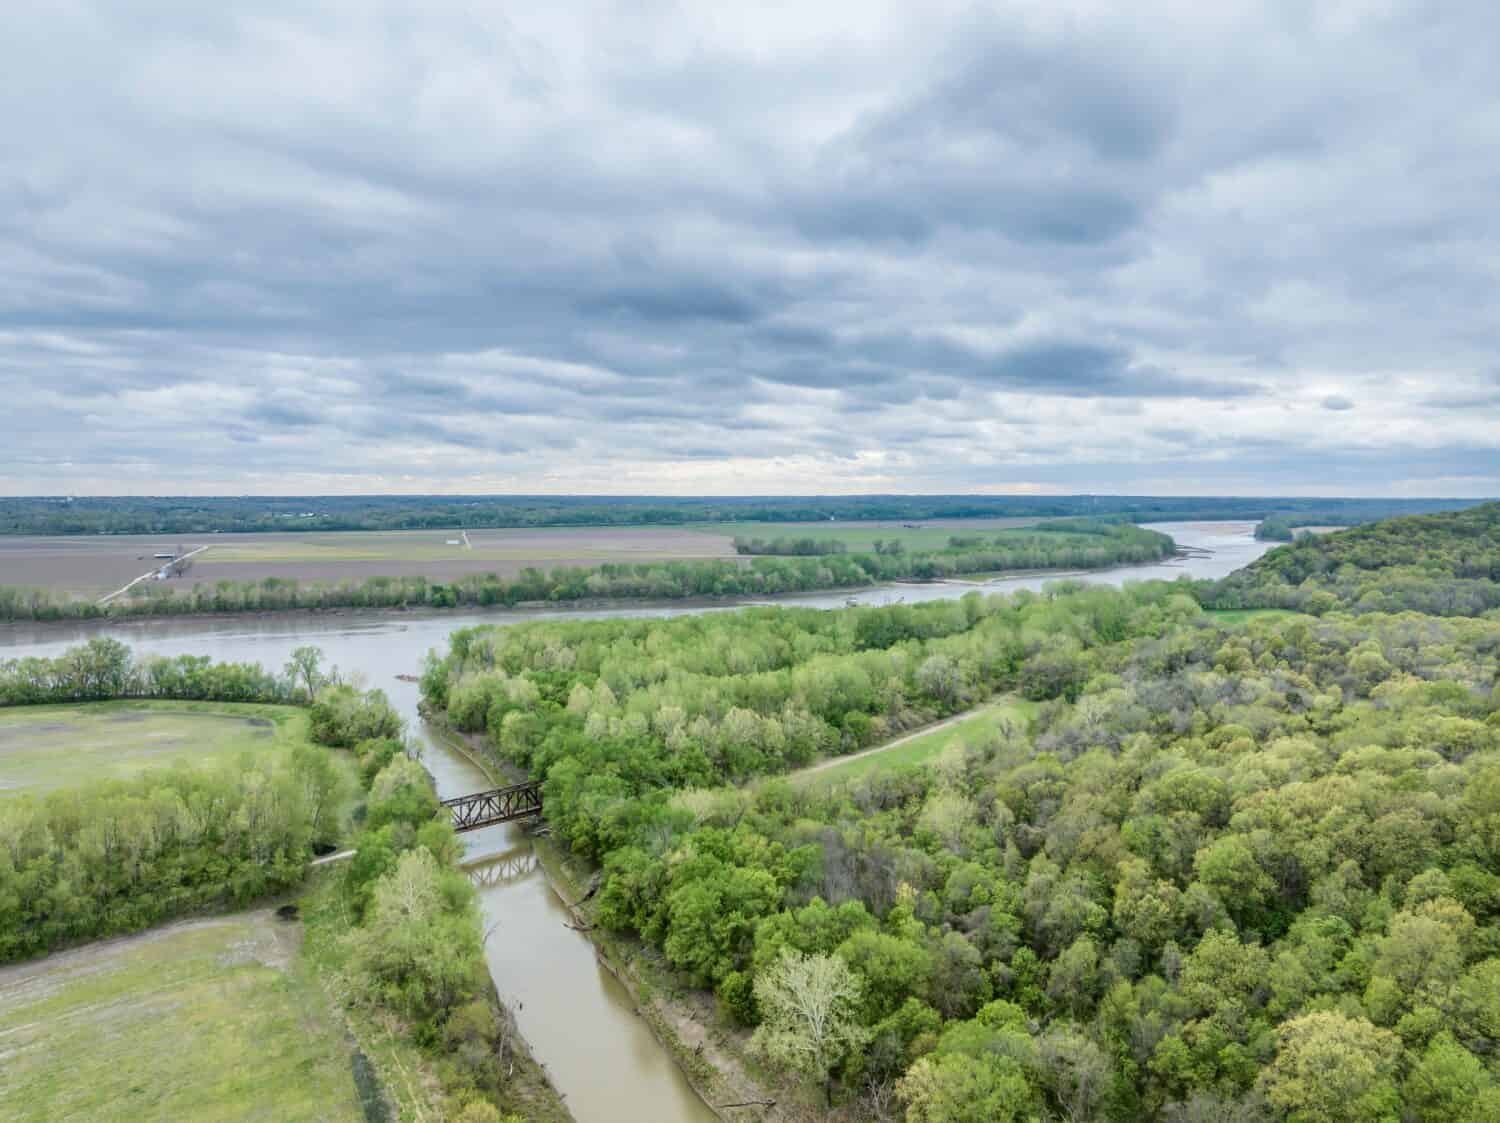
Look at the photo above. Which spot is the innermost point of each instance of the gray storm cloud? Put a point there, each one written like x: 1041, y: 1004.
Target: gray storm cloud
x: 749, y: 248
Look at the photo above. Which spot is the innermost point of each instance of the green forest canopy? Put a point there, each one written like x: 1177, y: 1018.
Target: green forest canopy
x: 1445, y: 564
x: 1246, y: 873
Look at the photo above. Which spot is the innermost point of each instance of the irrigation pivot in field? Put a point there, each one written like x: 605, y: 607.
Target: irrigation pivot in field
x: 500, y: 805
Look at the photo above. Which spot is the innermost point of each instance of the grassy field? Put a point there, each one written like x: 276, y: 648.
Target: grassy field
x: 925, y: 747
x: 207, y: 1020
x: 43, y: 748
x: 1237, y: 616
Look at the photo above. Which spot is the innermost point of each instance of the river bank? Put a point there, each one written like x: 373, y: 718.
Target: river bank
x: 710, y: 1059
x: 407, y: 1076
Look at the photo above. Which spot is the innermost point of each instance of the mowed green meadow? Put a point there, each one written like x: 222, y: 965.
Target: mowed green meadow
x: 44, y: 748
x: 923, y: 748
x: 207, y: 1020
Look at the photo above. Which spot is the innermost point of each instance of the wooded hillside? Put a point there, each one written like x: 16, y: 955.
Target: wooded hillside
x: 1446, y: 564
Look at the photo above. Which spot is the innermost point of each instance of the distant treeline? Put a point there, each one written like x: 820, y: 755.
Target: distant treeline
x: 1285, y: 524
x: 1284, y: 528
x: 790, y: 547
x: 196, y: 515
x: 811, y: 546
x: 1117, y: 544
x: 1444, y: 564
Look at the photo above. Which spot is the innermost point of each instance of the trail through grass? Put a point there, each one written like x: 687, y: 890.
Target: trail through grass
x: 919, y: 748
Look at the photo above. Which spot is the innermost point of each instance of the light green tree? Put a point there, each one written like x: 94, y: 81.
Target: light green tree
x: 1330, y: 1068
x: 809, y: 1007
x: 958, y: 1088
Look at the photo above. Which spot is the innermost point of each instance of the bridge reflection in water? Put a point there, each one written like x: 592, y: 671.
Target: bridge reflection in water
x: 503, y: 868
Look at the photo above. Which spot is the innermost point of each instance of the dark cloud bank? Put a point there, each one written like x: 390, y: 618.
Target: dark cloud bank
x: 418, y: 247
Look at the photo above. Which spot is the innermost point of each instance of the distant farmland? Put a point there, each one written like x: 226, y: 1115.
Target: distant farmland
x: 91, y: 566
x: 94, y: 565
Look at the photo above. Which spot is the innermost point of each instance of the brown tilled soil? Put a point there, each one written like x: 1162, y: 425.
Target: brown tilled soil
x: 90, y: 566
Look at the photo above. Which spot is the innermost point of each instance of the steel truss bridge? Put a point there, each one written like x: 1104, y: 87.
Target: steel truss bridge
x: 499, y: 805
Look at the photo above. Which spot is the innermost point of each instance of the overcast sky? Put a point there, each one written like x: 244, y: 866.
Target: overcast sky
x: 729, y: 248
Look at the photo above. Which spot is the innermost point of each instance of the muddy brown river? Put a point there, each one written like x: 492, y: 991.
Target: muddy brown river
x: 579, y: 1021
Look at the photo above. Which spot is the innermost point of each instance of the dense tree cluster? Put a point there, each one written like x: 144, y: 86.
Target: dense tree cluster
x: 1277, y: 528
x: 1230, y: 873
x: 787, y: 546
x: 204, y: 514
x: 1056, y: 544
x: 121, y: 855
x: 1442, y: 565
x: 1110, y: 544
x: 118, y: 856
x: 105, y: 668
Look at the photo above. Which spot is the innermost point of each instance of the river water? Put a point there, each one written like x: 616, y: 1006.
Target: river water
x: 578, y: 1019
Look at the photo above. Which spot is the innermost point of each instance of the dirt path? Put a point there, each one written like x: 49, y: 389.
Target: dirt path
x: 273, y: 943
x: 147, y: 575
x: 946, y: 723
